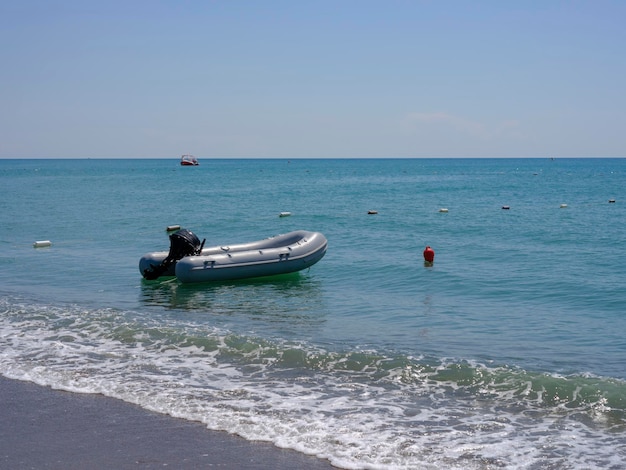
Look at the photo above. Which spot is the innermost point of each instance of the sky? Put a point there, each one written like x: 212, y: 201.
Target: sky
x: 312, y: 79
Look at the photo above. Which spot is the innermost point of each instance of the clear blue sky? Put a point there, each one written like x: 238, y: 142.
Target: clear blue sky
x: 322, y: 79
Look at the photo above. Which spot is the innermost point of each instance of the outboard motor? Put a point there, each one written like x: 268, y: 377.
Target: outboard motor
x: 182, y: 243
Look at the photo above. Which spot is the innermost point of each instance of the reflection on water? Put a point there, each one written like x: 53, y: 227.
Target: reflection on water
x: 290, y: 298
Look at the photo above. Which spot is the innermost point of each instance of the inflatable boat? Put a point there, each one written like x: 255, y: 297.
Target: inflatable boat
x: 189, y: 261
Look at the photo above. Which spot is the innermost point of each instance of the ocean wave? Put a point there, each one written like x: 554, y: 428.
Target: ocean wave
x: 358, y: 408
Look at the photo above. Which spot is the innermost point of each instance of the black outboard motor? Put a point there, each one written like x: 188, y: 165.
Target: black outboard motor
x: 182, y: 243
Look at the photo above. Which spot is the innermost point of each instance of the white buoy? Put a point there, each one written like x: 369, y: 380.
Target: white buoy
x: 563, y: 206
x: 171, y: 228
x: 284, y: 214
x: 42, y: 243
x: 443, y: 209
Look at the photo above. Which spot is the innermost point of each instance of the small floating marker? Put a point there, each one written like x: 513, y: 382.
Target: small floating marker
x: 429, y: 256
x: 506, y: 208
x: 284, y: 214
x: 172, y: 228
x: 372, y: 212
x: 42, y: 244
x: 443, y: 209
x: 611, y: 201
x: 563, y: 206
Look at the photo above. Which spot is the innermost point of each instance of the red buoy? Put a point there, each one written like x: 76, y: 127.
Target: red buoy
x: 429, y: 255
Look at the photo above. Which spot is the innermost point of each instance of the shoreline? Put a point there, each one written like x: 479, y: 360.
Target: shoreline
x: 44, y: 428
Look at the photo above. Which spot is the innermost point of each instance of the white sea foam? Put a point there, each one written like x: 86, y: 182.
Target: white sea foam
x: 409, y: 418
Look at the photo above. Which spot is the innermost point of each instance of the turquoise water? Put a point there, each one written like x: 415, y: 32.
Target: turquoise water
x: 508, y: 352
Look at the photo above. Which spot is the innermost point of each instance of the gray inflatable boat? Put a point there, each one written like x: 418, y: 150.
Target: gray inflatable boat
x: 189, y: 261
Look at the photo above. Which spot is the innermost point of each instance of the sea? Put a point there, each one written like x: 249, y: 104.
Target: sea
x: 508, y: 352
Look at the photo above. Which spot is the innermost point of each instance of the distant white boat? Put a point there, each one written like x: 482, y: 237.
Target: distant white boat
x: 189, y: 160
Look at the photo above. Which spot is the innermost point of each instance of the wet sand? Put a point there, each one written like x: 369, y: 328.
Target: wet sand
x: 41, y: 428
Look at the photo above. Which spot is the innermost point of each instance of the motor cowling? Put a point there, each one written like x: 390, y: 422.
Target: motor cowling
x: 182, y: 243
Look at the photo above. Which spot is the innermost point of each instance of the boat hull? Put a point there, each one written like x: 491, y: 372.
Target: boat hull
x: 282, y: 254
x: 188, y: 160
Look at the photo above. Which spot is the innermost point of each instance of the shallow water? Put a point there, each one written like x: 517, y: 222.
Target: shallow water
x: 507, y: 352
